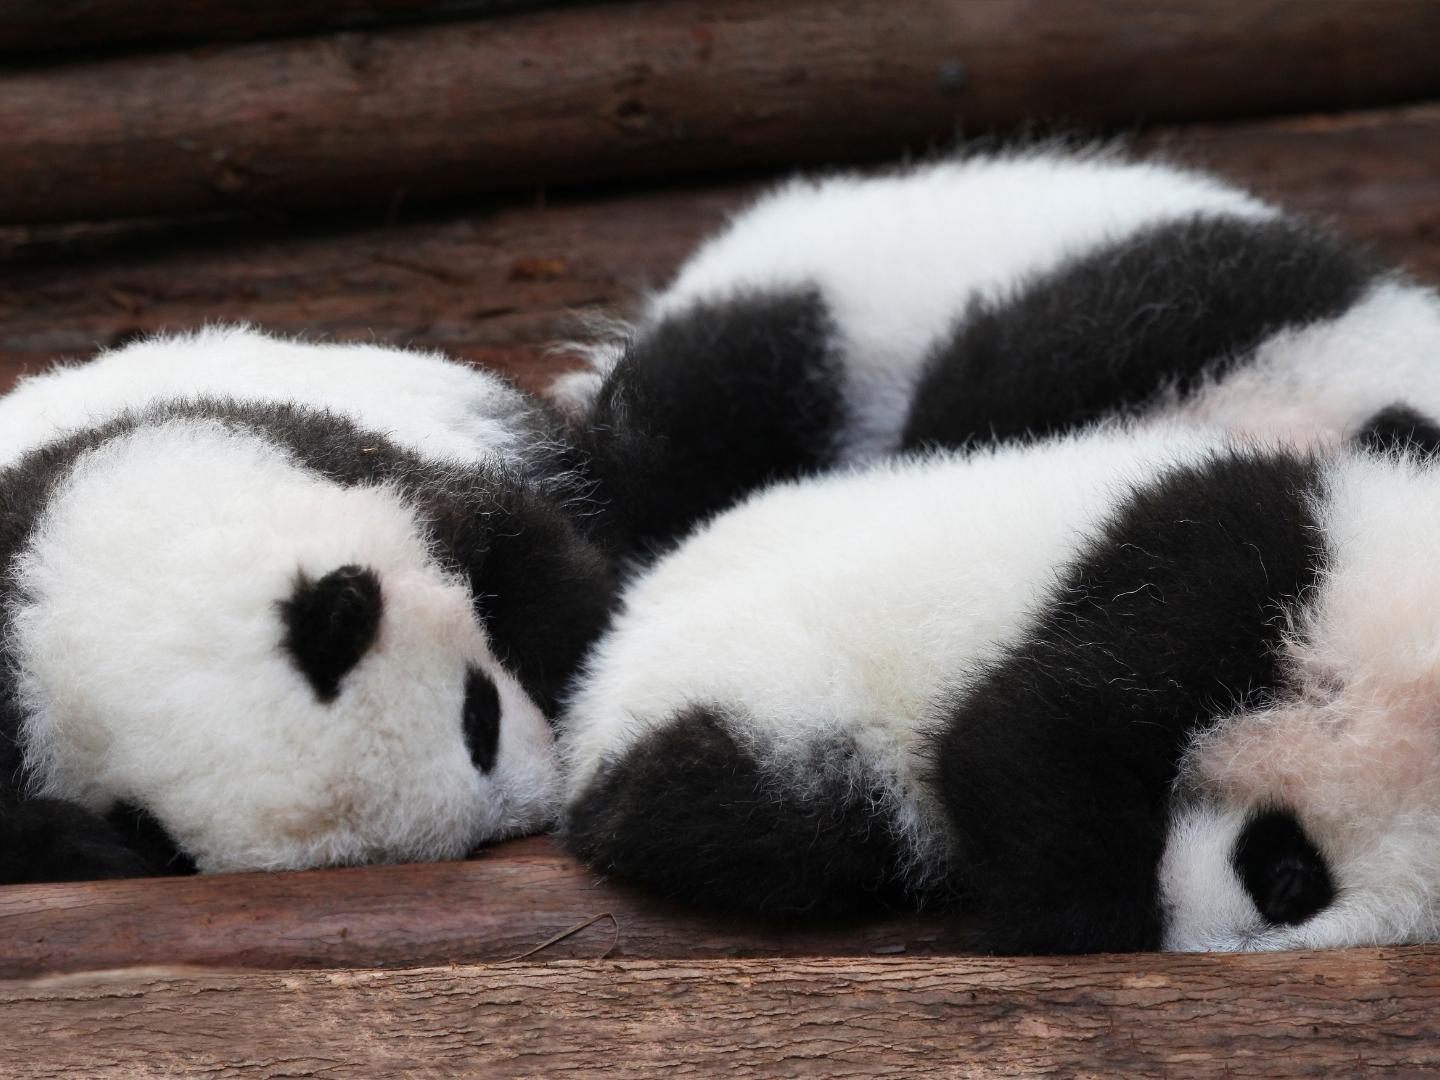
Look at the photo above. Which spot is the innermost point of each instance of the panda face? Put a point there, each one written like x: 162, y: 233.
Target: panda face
x: 276, y: 667
x: 1313, y: 822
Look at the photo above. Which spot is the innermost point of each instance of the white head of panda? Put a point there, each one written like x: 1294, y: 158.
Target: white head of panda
x: 1314, y: 822
x: 276, y: 666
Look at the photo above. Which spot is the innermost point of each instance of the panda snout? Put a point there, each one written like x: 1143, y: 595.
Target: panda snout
x: 330, y: 623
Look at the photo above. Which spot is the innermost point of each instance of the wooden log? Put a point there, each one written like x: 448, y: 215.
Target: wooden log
x: 498, y: 285
x: 663, y: 86
x: 55, y: 29
x: 1297, y: 1014
x: 505, y: 902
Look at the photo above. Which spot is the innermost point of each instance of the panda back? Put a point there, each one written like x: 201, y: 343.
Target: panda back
x: 423, y: 402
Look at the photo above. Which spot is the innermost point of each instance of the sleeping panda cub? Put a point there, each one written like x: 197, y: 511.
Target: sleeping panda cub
x: 1130, y: 688
x: 257, y: 635
x: 995, y: 296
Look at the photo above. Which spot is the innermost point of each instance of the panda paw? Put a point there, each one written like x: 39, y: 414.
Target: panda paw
x: 54, y: 840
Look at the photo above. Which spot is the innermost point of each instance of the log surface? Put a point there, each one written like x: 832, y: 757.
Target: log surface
x: 655, y: 87
x: 498, y: 285
x: 1296, y: 1014
x: 506, y: 902
x: 57, y: 29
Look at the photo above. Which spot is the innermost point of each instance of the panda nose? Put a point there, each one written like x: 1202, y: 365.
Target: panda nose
x: 330, y: 623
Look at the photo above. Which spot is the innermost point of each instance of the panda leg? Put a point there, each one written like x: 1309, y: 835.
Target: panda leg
x: 54, y: 840
x: 692, y: 813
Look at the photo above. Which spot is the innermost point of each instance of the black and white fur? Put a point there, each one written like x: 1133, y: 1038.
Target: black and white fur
x: 841, y: 319
x: 261, y: 635
x: 1025, y: 682
x: 1121, y: 690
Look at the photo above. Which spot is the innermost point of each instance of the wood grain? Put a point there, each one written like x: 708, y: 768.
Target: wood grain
x: 56, y: 29
x: 1280, y: 1015
x: 658, y: 87
x: 498, y: 284
x: 499, y: 905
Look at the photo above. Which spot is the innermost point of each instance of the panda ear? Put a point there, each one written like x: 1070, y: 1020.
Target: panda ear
x: 330, y: 624
x: 1284, y: 873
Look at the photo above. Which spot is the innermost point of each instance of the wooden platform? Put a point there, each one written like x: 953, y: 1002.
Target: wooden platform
x: 162, y: 210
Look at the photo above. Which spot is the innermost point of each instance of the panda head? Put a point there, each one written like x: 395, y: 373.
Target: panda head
x: 1306, y: 825
x: 1313, y: 820
x: 278, y: 668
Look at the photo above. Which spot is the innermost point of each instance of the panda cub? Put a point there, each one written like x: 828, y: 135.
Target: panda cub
x: 1125, y: 689
x: 262, y: 635
x: 994, y: 296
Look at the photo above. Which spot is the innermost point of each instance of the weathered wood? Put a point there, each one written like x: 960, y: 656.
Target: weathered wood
x: 659, y: 86
x: 498, y: 285
x: 1297, y: 1014
x: 499, y: 905
x: 53, y: 29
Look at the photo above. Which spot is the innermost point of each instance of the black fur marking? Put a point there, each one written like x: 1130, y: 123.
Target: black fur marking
x: 54, y: 840
x: 1110, y: 329
x: 710, y: 404
x: 689, y: 812
x: 1399, y: 427
x: 481, y: 719
x: 147, y: 837
x: 330, y: 624
x: 1283, y: 872
x: 543, y: 590
x: 1056, y: 763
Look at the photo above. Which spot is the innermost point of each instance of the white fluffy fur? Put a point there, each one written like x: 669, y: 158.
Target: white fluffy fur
x: 420, y: 400
x: 897, y: 257
x: 149, y: 644
x: 1354, y: 752
x: 854, y: 605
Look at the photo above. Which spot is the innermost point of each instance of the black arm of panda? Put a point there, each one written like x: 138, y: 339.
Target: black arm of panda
x: 54, y: 840
x: 1055, y: 765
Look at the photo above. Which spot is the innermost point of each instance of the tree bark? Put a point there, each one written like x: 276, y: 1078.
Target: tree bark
x: 1295, y: 1014
x: 657, y: 87
x: 510, y: 900
x: 56, y: 29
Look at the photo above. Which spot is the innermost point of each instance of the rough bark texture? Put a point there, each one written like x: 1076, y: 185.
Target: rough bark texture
x: 53, y: 30
x: 1294, y: 1014
x: 497, y: 285
x: 658, y: 86
x: 505, y: 902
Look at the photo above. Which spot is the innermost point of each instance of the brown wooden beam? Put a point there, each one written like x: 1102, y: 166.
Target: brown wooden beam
x: 656, y: 87
x: 1295, y: 1014
x: 499, y: 285
x: 54, y: 29
x: 503, y: 903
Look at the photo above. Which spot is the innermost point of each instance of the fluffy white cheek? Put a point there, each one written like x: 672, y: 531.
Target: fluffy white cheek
x: 1206, y: 907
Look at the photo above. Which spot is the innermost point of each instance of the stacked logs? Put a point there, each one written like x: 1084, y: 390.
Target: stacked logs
x: 578, y: 93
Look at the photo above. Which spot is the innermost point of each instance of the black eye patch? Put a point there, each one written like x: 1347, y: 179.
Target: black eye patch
x: 1399, y: 427
x: 481, y: 719
x: 330, y: 624
x: 1284, y: 873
